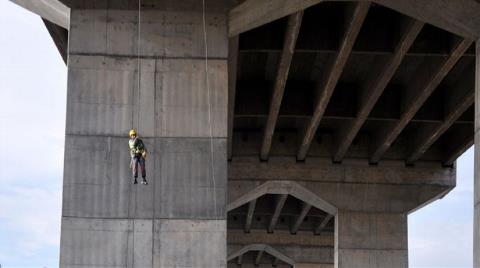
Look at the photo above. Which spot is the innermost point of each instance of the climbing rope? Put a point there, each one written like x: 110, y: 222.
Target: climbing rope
x: 209, y: 109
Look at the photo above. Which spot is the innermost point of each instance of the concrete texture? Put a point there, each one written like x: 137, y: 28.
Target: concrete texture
x: 108, y: 221
x: 476, y: 221
x: 141, y: 243
x: 370, y: 240
x: 356, y: 187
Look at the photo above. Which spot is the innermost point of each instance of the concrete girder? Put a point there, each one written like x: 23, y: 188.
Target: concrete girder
x: 283, y: 188
x: 322, y: 224
x: 388, y: 187
x: 456, y: 104
x: 280, y: 202
x: 326, y: 86
x: 305, y: 208
x: 375, y: 87
x: 261, y: 248
x: 291, y: 34
x: 251, y: 210
x: 51, y: 10
x: 421, y: 89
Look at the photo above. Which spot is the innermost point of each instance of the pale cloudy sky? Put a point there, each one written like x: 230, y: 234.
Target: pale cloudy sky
x: 32, y: 121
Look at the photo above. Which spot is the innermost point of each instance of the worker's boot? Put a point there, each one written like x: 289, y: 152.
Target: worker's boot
x: 144, y: 181
x: 135, y: 181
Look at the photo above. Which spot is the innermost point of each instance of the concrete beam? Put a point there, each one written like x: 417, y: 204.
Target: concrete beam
x: 60, y: 38
x: 248, y: 221
x: 459, y: 16
x: 291, y: 34
x: 457, y: 103
x: 259, y: 257
x: 232, y: 83
x: 305, y: 208
x: 261, y: 248
x: 240, y: 259
x: 375, y: 86
x: 280, y: 202
x: 51, y: 10
x: 280, y: 237
x: 421, y: 89
x: 452, y: 155
x: 283, y: 188
x: 322, y: 224
x: 253, y: 13
x: 326, y: 85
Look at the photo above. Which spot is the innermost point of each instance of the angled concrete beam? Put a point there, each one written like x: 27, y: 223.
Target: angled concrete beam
x: 459, y: 16
x: 240, y: 259
x: 327, y: 84
x: 251, y: 210
x: 284, y: 187
x: 280, y: 202
x: 253, y: 13
x: 259, y: 257
x: 322, y: 224
x: 462, y: 98
x: 261, y: 248
x: 305, y: 208
x: 232, y: 83
x: 374, y: 88
x: 458, y: 151
x: 51, y: 10
x: 60, y: 38
x: 418, y: 94
x: 291, y: 34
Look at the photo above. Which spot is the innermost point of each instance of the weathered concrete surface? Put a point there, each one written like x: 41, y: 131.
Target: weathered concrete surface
x: 390, y: 187
x: 108, y: 221
x: 476, y: 222
x: 372, y: 202
x: 370, y: 240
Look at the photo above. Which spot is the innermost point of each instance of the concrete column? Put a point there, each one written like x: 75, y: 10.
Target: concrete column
x: 476, y: 221
x: 313, y: 265
x: 179, y: 219
x: 375, y: 240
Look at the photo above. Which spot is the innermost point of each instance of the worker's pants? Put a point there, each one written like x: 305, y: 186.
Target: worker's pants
x: 136, y: 160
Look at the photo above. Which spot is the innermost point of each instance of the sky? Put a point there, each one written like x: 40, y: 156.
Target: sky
x: 33, y: 82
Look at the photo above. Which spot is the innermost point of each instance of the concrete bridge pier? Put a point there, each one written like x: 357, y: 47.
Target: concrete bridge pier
x: 476, y: 224
x: 365, y: 239
x: 179, y: 219
x: 369, y: 205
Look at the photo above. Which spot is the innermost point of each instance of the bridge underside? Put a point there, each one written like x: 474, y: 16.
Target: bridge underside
x: 306, y: 139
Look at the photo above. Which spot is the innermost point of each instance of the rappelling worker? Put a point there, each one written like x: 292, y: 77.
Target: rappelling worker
x: 138, y: 154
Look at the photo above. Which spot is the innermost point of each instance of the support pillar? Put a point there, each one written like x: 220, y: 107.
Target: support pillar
x: 179, y: 219
x: 476, y: 221
x: 369, y: 239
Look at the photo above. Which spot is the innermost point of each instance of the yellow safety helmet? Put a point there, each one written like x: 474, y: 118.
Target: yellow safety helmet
x: 132, y: 132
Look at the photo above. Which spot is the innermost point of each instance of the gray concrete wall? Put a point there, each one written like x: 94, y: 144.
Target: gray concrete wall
x: 476, y: 223
x: 106, y: 220
x: 374, y: 240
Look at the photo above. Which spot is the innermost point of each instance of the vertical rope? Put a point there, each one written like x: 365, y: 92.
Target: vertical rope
x: 138, y: 61
x: 209, y: 108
